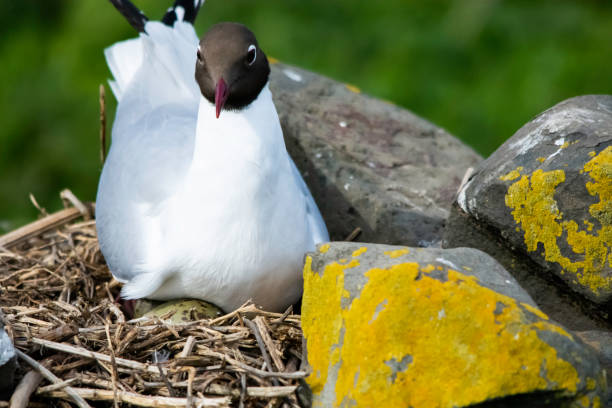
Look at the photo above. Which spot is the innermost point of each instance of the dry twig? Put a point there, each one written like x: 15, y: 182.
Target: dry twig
x: 25, y: 388
x: 140, y: 400
x: 69, y: 392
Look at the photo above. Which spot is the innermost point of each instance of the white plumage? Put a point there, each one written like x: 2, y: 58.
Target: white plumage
x: 193, y: 206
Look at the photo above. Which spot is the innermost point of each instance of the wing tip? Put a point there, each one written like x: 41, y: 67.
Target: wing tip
x: 142, y: 285
x: 134, y: 16
x: 182, y: 10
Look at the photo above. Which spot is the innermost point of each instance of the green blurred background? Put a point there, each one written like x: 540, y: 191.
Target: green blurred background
x: 479, y: 68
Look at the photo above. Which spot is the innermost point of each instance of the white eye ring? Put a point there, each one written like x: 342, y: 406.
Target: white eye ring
x: 252, y: 49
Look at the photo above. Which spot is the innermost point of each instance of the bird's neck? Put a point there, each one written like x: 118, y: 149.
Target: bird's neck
x: 249, y: 134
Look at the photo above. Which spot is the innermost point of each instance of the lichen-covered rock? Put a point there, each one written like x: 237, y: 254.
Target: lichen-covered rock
x: 397, y: 326
x: 368, y: 163
x: 8, y: 364
x: 547, y: 192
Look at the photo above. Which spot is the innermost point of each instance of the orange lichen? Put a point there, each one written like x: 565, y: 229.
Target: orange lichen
x: 418, y: 350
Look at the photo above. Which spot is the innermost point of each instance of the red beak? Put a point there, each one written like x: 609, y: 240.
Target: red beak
x: 221, y: 94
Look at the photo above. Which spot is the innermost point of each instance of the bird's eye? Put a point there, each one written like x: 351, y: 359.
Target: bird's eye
x: 251, y: 55
x: 199, y: 55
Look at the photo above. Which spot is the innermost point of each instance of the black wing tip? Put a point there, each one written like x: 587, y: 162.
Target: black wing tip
x: 132, y: 14
x: 184, y: 10
x: 187, y: 10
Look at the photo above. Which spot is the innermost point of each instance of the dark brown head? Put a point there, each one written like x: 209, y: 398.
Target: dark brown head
x: 231, y: 69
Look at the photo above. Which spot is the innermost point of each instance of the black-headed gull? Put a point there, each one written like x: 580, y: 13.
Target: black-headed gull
x: 198, y: 197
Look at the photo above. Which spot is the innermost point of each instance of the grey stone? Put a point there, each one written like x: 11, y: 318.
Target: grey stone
x: 8, y: 363
x: 368, y: 163
x: 435, y: 327
x: 601, y: 343
x: 541, y: 205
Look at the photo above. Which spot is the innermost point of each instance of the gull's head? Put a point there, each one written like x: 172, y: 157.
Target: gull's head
x: 231, y: 69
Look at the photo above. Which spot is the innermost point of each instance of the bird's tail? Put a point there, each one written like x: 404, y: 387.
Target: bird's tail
x: 182, y: 10
x: 168, y: 46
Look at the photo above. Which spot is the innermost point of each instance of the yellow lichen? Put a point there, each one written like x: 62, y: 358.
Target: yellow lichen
x: 542, y: 325
x: 324, y: 248
x: 565, y: 145
x: 325, y: 293
x: 428, y: 268
x: 498, y: 353
x: 541, y: 159
x: 535, y: 311
x: 513, y: 175
x: 397, y: 253
x: 359, y: 251
x: 535, y: 210
x: 591, y: 384
x: 584, y: 401
x: 352, y: 88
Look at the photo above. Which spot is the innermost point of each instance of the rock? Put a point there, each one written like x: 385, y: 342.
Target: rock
x: 601, y: 343
x: 426, y: 327
x: 546, y: 195
x: 8, y: 364
x: 368, y: 163
x: 181, y: 310
x: 551, y: 295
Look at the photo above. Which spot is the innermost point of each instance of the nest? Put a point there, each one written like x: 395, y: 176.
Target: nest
x: 76, y: 346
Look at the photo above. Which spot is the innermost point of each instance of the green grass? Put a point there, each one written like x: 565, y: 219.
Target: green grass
x: 480, y: 69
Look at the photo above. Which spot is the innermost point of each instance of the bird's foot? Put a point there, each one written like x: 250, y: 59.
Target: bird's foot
x: 127, y: 305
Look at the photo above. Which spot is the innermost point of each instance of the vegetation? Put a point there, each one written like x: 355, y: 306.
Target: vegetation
x: 480, y: 69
